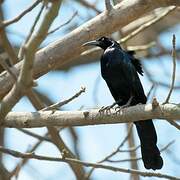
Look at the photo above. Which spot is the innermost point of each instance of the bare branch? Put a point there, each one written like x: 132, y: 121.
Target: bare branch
x: 31, y: 46
x: 173, y: 123
x: 55, y: 136
x: 17, y: 18
x: 174, y: 69
x: 148, y: 24
x: 159, y: 83
x: 88, y: 5
x: 139, y: 158
x: 108, y: 5
x: 21, y: 50
x: 90, y: 117
x: 113, y: 152
x: 133, y: 154
x: 87, y: 164
x: 6, y: 43
x: 16, y: 170
x: 43, y: 138
x: 64, y: 24
x: 62, y: 103
x: 7, y: 68
x: 141, y: 47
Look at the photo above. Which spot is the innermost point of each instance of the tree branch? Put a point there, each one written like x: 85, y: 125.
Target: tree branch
x: 174, y: 69
x: 25, y: 79
x: 17, y: 18
x: 87, y: 164
x: 90, y: 117
x: 108, y: 5
x: 62, y: 103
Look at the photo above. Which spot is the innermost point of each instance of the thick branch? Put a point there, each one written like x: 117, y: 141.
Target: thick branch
x: 90, y: 117
x: 69, y: 47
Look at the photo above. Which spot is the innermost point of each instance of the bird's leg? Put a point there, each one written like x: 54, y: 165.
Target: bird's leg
x: 119, y: 108
x: 108, y: 108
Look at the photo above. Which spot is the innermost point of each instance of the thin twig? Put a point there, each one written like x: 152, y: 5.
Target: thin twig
x: 139, y: 158
x: 21, y: 50
x: 174, y: 69
x: 37, y: 136
x: 133, y: 154
x: 108, y: 5
x: 159, y: 83
x: 88, y: 5
x: 16, y: 170
x: 126, y: 137
x: 64, y: 24
x: 87, y: 164
x: 56, y: 137
x: 124, y: 160
x: 148, y: 24
x: 6, y: 43
x: 149, y: 92
x: 141, y: 47
x: 7, y: 68
x: 130, y: 149
x: 173, y: 123
x: 62, y: 103
x: 112, y: 153
x: 17, y: 18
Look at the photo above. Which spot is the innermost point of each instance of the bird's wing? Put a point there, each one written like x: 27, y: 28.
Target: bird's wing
x: 133, y: 66
x: 135, y: 62
x: 113, y: 91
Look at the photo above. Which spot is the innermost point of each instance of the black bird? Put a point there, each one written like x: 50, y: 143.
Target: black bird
x: 119, y: 68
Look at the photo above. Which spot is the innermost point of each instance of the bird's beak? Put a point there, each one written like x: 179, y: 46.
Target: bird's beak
x: 91, y: 43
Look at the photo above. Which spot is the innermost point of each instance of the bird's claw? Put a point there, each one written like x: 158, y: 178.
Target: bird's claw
x: 119, y: 108
x: 106, y: 109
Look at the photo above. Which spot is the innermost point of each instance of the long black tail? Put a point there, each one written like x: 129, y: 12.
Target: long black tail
x: 149, y: 150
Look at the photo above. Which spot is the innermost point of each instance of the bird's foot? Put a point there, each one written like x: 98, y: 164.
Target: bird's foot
x: 119, y: 108
x: 107, y: 109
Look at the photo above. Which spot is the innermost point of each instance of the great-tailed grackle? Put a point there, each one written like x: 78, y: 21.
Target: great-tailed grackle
x: 120, y: 69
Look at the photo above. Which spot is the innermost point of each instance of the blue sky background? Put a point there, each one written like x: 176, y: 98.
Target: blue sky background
x: 95, y: 142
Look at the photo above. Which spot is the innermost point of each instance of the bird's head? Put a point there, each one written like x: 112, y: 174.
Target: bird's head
x: 102, y: 42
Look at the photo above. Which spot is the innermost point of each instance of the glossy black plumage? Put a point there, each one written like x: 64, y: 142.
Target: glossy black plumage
x: 119, y: 68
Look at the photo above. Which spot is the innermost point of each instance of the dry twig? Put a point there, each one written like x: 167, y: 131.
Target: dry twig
x: 17, y: 18
x: 21, y: 50
x: 62, y: 103
x: 37, y: 136
x: 136, y: 159
x: 64, y: 24
x: 87, y: 164
x: 174, y: 69
x: 108, y: 5
x: 148, y: 24
x: 112, y: 153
